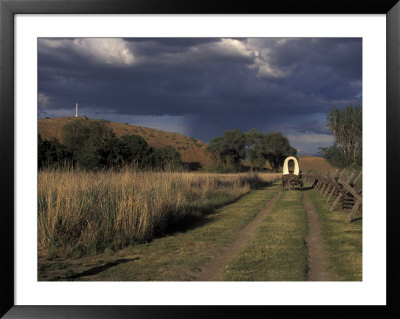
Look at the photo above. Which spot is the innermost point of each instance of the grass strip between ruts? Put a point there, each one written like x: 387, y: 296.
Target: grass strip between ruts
x: 277, y: 252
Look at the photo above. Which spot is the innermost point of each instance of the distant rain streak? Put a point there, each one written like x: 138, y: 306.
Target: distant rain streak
x: 201, y: 87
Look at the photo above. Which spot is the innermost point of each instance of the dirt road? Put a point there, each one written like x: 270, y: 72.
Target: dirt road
x: 316, y: 253
x: 212, y: 271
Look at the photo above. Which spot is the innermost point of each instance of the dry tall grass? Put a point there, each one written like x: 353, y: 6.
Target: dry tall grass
x: 82, y: 213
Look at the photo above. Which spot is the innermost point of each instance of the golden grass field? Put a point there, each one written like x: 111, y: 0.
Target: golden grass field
x: 314, y: 163
x: 81, y: 213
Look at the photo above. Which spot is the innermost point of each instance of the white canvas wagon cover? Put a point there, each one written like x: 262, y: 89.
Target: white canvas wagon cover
x: 286, y: 165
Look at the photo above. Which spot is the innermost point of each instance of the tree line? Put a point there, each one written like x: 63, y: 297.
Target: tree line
x: 93, y: 145
x: 255, y: 147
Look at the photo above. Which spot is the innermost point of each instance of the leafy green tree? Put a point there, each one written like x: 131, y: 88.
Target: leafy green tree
x: 276, y: 148
x: 80, y: 132
x: 254, y: 146
x: 215, y: 149
x: 346, y: 127
x: 111, y: 153
x: 85, y: 139
x: 129, y: 149
x: 334, y: 156
x: 165, y: 158
x: 229, y: 149
x: 52, y: 153
x: 234, y: 147
x: 88, y: 156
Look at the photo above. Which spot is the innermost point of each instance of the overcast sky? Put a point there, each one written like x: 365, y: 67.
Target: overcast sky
x: 203, y: 86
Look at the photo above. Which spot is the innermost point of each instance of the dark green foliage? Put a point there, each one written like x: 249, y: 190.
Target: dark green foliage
x: 234, y: 146
x: 85, y: 139
x: 52, y: 153
x: 88, y: 156
x: 346, y: 127
x: 129, y: 149
x: 165, y: 158
x: 275, y: 148
x: 81, y: 132
x: 192, y: 166
x: 93, y: 145
x: 254, y: 142
x: 111, y: 153
x: 215, y: 149
x: 333, y: 156
x: 229, y: 149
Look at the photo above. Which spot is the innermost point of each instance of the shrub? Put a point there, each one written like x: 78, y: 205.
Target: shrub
x: 52, y: 153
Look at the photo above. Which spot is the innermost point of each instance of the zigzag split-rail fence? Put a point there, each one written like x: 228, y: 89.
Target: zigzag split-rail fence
x: 343, y: 188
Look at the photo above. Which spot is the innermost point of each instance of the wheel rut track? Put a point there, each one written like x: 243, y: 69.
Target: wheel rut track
x: 314, y: 240
x: 213, y: 270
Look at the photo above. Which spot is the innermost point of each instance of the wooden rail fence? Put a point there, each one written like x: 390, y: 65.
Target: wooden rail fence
x: 342, y: 187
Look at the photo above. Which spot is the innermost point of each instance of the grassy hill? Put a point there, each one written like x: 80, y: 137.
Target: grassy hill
x: 314, y: 163
x: 191, y: 149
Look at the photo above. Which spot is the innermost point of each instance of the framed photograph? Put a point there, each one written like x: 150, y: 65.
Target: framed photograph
x: 176, y: 159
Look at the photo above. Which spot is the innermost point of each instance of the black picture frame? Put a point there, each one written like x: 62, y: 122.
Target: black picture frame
x: 8, y: 8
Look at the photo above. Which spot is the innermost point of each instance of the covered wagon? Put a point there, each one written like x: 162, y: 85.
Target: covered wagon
x: 291, y: 174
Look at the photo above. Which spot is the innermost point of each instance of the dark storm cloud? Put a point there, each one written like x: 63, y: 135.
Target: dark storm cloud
x: 212, y: 84
x: 341, y: 56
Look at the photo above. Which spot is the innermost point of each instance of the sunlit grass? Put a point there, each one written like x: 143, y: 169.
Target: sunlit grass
x: 277, y: 251
x: 81, y: 213
x: 343, y: 241
x: 176, y: 257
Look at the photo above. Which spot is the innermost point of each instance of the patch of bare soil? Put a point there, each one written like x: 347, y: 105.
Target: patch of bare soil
x: 316, y: 253
x: 213, y: 270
